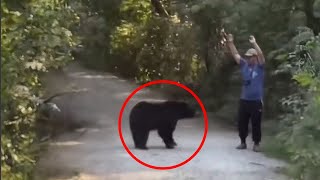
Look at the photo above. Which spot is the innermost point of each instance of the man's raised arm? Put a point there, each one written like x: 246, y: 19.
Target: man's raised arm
x: 233, y: 48
x: 261, y: 58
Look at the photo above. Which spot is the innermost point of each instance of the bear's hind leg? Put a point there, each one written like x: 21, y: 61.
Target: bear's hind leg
x: 171, y: 130
x: 171, y: 139
x: 170, y: 135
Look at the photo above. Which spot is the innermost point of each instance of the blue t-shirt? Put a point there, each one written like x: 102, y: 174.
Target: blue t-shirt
x: 253, y: 80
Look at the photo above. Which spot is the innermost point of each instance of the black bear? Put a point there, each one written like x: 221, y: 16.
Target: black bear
x: 160, y: 116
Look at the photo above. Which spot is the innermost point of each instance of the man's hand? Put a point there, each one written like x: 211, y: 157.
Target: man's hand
x: 232, y: 47
x: 229, y: 37
x: 252, y: 39
x: 261, y: 58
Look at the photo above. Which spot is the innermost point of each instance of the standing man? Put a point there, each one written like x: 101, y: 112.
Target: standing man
x: 251, y: 104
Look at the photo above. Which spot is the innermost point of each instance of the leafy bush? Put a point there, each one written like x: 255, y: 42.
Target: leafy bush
x: 34, y: 40
x: 123, y: 44
x: 148, y: 47
x: 168, y: 52
x: 300, y: 130
x: 92, y: 29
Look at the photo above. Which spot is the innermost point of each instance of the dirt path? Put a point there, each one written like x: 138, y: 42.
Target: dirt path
x: 99, y: 155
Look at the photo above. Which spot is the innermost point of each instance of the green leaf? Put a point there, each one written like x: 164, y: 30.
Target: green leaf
x: 68, y: 33
x: 281, y: 57
x: 304, y: 79
x: 54, y: 41
x: 303, y: 37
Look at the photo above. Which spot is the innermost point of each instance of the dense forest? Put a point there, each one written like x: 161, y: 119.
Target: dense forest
x: 179, y: 40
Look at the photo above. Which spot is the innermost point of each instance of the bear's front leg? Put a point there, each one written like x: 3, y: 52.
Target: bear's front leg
x: 165, y: 135
x: 142, y: 138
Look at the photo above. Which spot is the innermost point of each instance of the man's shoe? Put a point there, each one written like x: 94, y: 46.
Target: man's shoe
x: 242, y: 146
x: 256, y: 148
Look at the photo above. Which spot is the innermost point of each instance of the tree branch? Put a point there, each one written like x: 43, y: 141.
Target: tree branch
x: 159, y: 8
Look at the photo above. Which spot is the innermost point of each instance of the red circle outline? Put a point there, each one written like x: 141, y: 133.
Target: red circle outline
x: 172, y: 83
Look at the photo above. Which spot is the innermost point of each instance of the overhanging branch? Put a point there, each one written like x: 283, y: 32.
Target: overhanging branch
x: 159, y: 8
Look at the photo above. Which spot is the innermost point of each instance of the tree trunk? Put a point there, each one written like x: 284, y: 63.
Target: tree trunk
x: 312, y: 21
x: 207, y: 50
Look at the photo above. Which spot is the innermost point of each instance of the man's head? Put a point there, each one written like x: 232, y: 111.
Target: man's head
x: 252, y: 56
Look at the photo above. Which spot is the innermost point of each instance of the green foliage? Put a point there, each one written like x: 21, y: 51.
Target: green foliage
x: 301, y: 139
x: 123, y: 39
x: 300, y: 130
x: 304, y: 79
x: 150, y: 47
x: 167, y: 51
x: 34, y: 40
x: 137, y: 12
x: 97, y: 23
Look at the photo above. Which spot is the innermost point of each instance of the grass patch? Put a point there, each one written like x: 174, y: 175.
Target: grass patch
x: 271, y: 146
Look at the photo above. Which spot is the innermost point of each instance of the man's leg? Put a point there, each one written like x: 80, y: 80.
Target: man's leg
x: 256, y: 125
x: 243, y: 123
